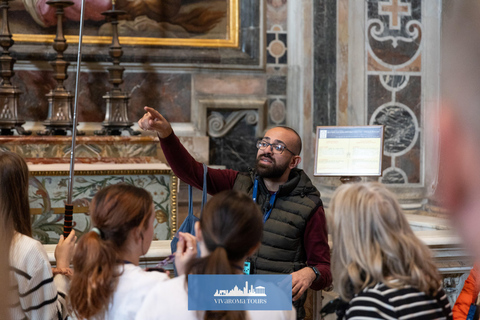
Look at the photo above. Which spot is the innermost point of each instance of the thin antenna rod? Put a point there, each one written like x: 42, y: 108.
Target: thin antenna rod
x: 69, y: 211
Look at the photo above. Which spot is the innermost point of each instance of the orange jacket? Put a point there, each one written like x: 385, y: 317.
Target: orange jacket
x: 468, y: 295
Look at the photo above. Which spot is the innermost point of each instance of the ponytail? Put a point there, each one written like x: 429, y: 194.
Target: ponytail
x: 115, y: 211
x: 231, y: 225
x: 216, y: 263
x: 96, y: 276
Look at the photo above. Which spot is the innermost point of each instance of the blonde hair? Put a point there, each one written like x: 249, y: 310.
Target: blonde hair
x: 373, y: 242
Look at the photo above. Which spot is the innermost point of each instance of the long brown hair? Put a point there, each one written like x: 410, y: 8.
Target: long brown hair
x: 231, y: 225
x: 115, y: 211
x: 14, y: 203
x: 14, y: 213
x: 373, y: 242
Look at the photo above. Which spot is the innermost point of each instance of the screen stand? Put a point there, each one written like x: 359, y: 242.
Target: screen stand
x: 350, y: 179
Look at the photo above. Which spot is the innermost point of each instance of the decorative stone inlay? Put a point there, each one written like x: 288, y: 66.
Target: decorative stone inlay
x: 218, y: 125
x: 401, y: 127
x: 57, y: 149
x: 393, y: 50
x: 277, y: 111
x: 394, y: 175
x: 395, y: 9
x: 276, y: 48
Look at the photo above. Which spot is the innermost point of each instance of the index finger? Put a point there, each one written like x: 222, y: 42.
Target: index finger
x: 71, y: 236
x: 155, y: 114
x: 187, y: 236
x: 180, y: 245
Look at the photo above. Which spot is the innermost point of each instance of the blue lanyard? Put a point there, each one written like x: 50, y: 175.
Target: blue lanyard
x: 272, y: 200
x: 255, y: 191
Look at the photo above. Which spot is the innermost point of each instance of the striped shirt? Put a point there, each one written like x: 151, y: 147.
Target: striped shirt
x: 35, y: 292
x: 382, y: 302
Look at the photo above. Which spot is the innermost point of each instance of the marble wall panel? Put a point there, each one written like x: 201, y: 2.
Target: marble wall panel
x: 393, y: 48
x: 108, y: 149
x: 169, y: 93
x: 277, y: 14
x: 277, y: 60
x: 225, y: 84
x: 235, y: 150
x: 325, y: 63
x: 37, y: 149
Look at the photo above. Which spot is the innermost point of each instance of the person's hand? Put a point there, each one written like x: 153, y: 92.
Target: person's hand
x: 152, y: 120
x: 65, y: 249
x: 301, y: 281
x: 186, y: 251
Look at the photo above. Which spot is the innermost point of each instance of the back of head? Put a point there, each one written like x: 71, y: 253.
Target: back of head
x: 231, y: 225
x: 373, y: 242
x: 14, y: 202
x: 115, y: 210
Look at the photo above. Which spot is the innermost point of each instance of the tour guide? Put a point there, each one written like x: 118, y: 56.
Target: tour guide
x: 295, y: 232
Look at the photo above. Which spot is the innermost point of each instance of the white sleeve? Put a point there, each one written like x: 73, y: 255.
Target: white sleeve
x: 41, y: 296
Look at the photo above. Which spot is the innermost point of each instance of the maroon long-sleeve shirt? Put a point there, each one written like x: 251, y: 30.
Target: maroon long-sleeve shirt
x: 190, y: 171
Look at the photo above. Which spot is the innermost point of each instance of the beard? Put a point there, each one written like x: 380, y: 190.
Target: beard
x: 272, y: 172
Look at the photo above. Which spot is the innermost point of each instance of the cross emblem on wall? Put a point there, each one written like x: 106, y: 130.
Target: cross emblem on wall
x: 394, y: 9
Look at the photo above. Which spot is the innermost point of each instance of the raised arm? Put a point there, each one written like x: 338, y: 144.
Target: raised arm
x: 182, y: 163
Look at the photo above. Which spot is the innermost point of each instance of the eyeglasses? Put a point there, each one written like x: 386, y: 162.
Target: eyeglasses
x: 276, y: 147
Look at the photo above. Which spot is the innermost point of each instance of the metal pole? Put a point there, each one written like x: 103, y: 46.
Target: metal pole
x: 68, y: 219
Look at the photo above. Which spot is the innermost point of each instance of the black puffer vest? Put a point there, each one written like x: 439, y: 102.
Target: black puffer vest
x: 282, y: 249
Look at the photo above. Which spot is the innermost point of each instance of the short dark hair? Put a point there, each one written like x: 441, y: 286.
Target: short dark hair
x: 297, y: 148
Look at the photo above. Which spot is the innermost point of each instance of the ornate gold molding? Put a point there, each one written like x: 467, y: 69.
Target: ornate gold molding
x: 232, y: 41
x: 173, y: 201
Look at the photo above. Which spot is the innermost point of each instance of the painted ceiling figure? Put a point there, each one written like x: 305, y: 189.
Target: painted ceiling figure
x: 198, y: 20
x: 44, y: 14
x: 201, y: 18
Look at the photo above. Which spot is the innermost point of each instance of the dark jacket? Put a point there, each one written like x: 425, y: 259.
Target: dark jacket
x: 282, y: 249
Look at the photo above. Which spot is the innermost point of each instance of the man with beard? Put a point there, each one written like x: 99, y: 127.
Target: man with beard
x: 295, y: 237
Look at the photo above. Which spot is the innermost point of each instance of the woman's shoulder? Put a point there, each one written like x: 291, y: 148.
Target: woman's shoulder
x: 372, y: 301
x: 135, y: 274
x: 172, y: 286
x: 174, y: 298
x: 395, y: 301
x: 171, y: 290
x: 26, y: 248
x: 392, y: 294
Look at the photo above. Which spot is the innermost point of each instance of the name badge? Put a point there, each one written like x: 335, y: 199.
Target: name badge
x: 246, y: 267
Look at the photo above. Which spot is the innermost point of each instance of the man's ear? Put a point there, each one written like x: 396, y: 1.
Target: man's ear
x: 295, y: 162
